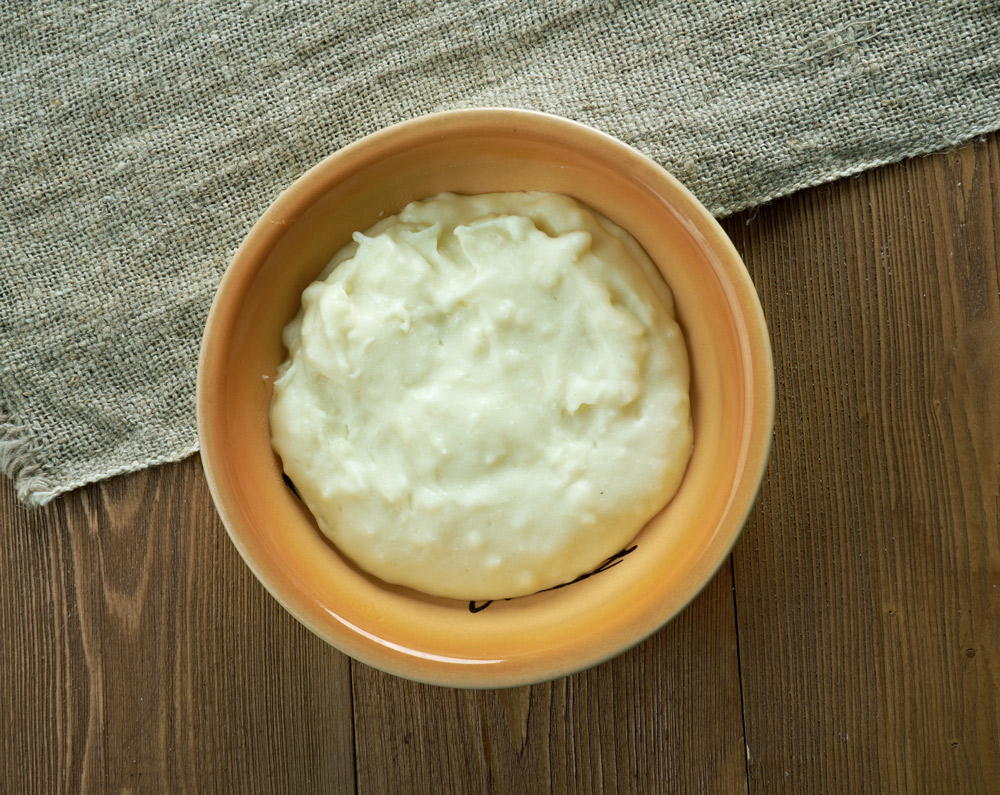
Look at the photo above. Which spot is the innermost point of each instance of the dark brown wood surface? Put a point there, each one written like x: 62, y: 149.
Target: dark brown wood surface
x: 851, y: 643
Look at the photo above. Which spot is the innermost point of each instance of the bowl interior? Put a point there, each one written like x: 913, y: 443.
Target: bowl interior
x: 529, y: 638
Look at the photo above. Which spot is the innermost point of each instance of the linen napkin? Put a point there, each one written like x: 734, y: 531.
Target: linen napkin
x: 139, y: 141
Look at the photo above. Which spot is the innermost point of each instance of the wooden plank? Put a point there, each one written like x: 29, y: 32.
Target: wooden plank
x: 140, y: 654
x: 867, y: 581
x: 664, y: 717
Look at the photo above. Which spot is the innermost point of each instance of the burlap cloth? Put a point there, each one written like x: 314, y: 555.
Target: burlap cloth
x: 140, y: 141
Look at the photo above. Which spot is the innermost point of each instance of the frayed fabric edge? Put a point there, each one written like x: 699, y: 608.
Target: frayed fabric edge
x: 18, y: 461
x: 19, y: 464
x: 122, y: 469
x: 946, y: 144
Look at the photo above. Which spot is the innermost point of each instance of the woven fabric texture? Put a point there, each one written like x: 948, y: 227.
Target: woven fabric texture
x: 140, y: 141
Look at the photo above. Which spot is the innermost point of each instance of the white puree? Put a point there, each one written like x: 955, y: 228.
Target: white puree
x: 486, y: 396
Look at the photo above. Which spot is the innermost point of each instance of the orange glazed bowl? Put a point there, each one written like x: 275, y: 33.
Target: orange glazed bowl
x: 555, y: 632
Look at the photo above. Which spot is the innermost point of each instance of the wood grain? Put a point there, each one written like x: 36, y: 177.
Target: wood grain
x: 664, y: 715
x: 869, y: 615
x: 852, y: 643
x: 142, y: 656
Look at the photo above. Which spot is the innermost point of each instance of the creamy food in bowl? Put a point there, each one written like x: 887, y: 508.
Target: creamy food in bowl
x: 485, y: 396
x: 439, y: 440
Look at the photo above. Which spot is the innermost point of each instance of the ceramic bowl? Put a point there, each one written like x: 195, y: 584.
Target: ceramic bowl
x: 532, y: 638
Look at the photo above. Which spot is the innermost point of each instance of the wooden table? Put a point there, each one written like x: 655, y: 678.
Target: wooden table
x: 851, y: 643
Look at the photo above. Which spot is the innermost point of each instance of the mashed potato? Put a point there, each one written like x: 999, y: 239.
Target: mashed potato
x: 485, y: 396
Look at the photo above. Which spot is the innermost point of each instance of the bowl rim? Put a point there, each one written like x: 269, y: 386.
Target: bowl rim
x: 300, y: 194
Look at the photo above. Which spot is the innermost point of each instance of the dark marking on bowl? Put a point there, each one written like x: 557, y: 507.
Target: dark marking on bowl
x: 610, y: 563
